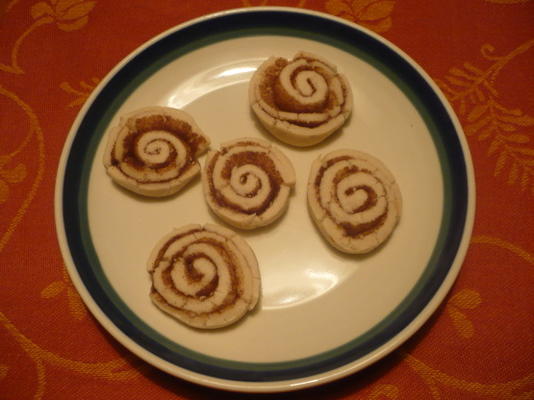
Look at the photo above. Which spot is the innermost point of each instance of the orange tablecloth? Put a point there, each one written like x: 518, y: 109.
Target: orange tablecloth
x: 480, y: 343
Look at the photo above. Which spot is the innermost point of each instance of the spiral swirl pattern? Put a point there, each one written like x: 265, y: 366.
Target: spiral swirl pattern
x: 205, y: 276
x: 247, y: 182
x: 153, y: 151
x: 301, y: 101
x: 354, y: 200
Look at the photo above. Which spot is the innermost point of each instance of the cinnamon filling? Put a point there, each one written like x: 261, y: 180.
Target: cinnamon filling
x: 194, y: 276
x: 276, y: 96
x: 365, y: 229
x: 352, y: 230
x: 261, y: 160
x: 177, y: 128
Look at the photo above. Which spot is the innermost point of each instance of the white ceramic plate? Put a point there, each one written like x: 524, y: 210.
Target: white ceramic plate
x: 323, y: 315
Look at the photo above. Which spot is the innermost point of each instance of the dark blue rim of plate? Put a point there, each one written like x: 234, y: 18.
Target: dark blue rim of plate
x: 210, y: 31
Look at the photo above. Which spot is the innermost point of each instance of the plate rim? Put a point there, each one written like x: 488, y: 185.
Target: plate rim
x: 281, y: 385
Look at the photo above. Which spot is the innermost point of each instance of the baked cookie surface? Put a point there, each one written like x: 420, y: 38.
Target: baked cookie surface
x: 153, y: 151
x: 300, y: 101
x: 354, y: 200
x: 205, y: 276
x: 247, y: 182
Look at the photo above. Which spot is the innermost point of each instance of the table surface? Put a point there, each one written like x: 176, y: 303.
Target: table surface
x: 480, y: 342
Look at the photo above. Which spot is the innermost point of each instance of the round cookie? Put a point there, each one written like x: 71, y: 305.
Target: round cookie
x: 247, y: 182
x: 153, y: 151
x: 354, y: 200
x: 300, y: 101
x: 205, y: 276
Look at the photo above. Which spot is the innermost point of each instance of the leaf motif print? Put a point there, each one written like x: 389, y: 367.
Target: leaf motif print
x: 79, y: 10
x: 75, y: 305
x: 73, y: 26
x: 9, y: 176
x: 473, y: 92
x: 41, y: 9
x: 82, y: 93
x: 69, y: 15
x: 465, y: 299
x: 372, y: 14
x: 384, y: 391
x: 53, y: 289
x: 377, y: 10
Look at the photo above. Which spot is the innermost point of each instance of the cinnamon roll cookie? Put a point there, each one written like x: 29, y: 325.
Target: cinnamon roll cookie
x: 354, y: 200
x: 300, y: 101
x: 153, y: 151
x: 205, y: 276
x: 247, y: 182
